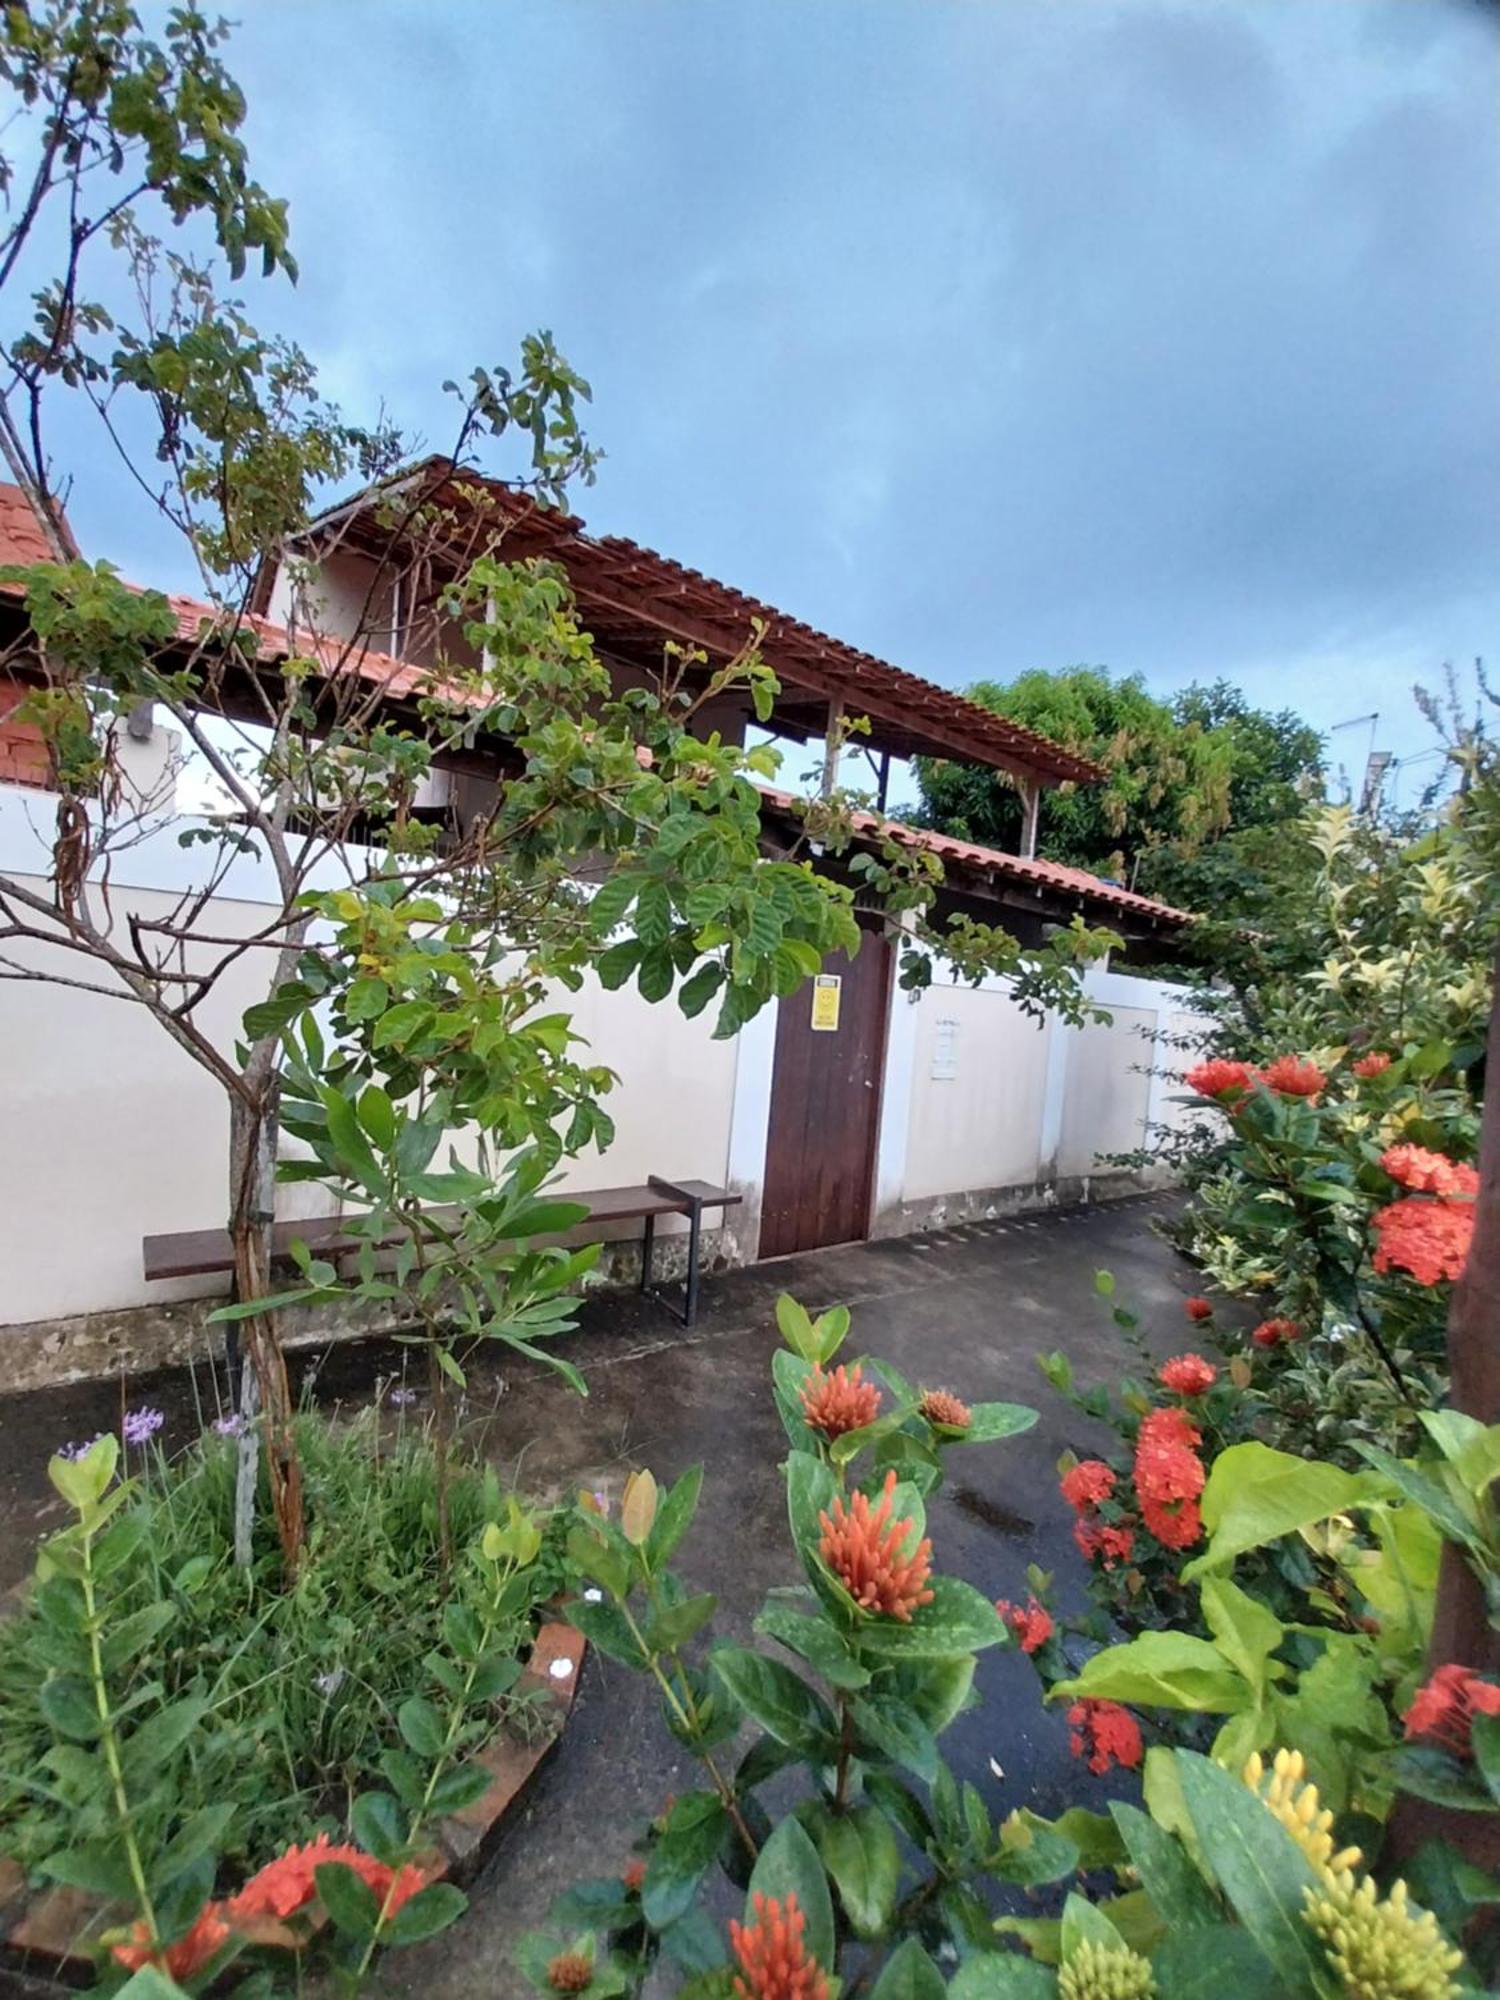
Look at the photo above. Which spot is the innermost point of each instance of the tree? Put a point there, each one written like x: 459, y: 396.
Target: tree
x: 1165, y: 780
x: 406, y: 1006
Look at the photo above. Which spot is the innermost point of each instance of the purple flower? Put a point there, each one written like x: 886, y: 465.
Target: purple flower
x: 76, y: 1451
x: 142, y: 1424
x: 402, y: 1399
x: 232, y: 1426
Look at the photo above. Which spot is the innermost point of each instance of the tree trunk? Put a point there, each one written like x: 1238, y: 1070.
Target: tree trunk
x: 252, y: 1149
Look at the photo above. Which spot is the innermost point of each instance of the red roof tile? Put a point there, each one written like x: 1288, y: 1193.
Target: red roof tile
x: 23, y: 539
x: 1018, y: 867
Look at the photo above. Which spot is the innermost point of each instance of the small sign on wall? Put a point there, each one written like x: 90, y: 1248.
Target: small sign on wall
x: 827, y: 987
x: 945, y: 1051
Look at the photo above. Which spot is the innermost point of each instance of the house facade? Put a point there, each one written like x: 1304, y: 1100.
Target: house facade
x: 849, y: 1109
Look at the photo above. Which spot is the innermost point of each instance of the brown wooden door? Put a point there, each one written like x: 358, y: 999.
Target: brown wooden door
x: 825, y: 1109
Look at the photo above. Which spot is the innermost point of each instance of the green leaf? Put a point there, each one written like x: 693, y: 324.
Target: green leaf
x: 809, y: 1493
x: 958, y: 1620
x: 989, y: 1421
x: 1160, y: 1670
x: 421, y: 1727
x: 351, y: 1903
x: 1245, y: 1632
x: 612, y: 899
x: 160, y: 1737
x: 779, y: 1700
x: 1261, y: 1870
x: 365, y: 999
x: 431, y: 1910
x: 909, y: 1975
x: 788, y: 1864
x: 995, y: 1975
x: 613, y: 967
x: 859, y: 1851
x: 1485, y: 1736
x: 379, y: 1826
x: 378, y: 1116
x: 674, y: 1624
x: 897, y: 1732
x: 653, y: 915
x: 674, y: 1516
x: 351, y: 1147
x: 796, y: 1327
x: 1083, y: 1921
x: 682, y: 1856
x: 98, y: 1867
x: 403, y: 1024
x: 815, y: 1640
x: 202, y: 1833
x: 1182, y: 1898
x: 133, y: 1634
x: 269, y: 1017
x: 1214, y: 1962
x: 82, y: 1481
x: 149, y: 1984
x: 68, y: 1706
x: 1256, y: 1495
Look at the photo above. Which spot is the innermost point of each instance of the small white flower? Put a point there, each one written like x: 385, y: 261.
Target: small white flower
x: 996, y: 1768
x: 330, y: 1683
x: 593, y: 1595
x: 561, y: 1670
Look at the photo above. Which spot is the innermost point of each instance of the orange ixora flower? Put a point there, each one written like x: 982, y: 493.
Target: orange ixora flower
x: 289, y: 1883
x: 867, y: 1552
x: 191, y: 1952
x: 1428, y: 1238
x: 1104, y: 1544
x: 1373, y: 1064
x: 570, y: 1972
x: 1198, y: 1308
x: 1224, y: 1081
x: 1087, y: 1483
x: 1169, y: 1477
x: 775, y: 1963
x: 1429, y: 1173
x: 840, y: 1402
x: 943, y: 1408
x: 1444, y: 1707
x: 1188, y: 1375
x: 1291, y: 1076
x: 634, y: 1877
x: 1105, y: 1734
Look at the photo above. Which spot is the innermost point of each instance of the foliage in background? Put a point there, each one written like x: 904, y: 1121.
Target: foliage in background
x: 291, y: 1698
x: 1181, y: 777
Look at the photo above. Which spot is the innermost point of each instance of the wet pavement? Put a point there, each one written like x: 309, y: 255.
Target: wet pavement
x: 967, y: 1309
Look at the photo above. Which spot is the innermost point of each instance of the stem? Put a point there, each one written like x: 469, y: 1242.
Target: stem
x: 688, y: 1719
x: 846, y: 1753
x: 109, y: 1740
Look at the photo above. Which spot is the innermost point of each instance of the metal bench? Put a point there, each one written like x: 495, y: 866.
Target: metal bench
x: 193, y: 1253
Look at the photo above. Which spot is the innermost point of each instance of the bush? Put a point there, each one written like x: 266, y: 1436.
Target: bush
x: 301, y: 1684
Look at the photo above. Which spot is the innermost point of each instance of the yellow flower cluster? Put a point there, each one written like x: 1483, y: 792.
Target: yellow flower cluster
x: 1105, y: 1972
x: 1380, y: 1947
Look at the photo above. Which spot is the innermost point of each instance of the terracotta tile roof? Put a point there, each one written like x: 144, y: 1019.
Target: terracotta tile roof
x: 22, y: 536
x: 1055, y: 875
x: 624, y: 588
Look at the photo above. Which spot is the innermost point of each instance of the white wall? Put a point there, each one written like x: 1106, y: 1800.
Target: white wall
x: 979, y: 1078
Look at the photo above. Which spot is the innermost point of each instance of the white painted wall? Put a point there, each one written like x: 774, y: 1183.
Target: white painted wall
x: 978, y: 1080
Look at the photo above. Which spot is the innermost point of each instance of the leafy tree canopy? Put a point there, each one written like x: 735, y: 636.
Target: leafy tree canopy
x: 1181, y: 776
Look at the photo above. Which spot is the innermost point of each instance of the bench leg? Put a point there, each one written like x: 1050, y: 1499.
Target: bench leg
x: 648, y: 1244
x: 695, y: 1225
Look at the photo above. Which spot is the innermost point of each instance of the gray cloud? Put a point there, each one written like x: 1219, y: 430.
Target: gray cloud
x: 986, y: 336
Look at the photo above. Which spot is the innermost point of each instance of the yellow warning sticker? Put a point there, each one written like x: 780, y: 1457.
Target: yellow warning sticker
x: 825, y: 1002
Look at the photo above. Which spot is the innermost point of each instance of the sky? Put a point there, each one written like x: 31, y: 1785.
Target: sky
x: 984, y: 334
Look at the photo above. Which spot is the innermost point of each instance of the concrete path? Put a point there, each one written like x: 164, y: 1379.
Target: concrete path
x: 967, y: 1310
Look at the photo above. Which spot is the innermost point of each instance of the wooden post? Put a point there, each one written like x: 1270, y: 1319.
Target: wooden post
x: 883, y: 779
x: 1031, y: 806
x: 831, y: 747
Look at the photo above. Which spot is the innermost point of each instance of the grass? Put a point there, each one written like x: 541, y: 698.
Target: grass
x: 302, y: 1683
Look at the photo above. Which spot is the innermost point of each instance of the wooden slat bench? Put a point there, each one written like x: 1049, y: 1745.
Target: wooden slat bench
x: 193, y: 1253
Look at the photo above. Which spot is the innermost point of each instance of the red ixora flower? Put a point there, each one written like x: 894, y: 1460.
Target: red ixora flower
x: 1224, y: 1081
x: 1444, y: 1708
x: 1373, y: 1064
x: 943, y: 1408
x: 867, y: 1552
x: 775, y: 1963
x: 1188, y: 1375
x: 1105, y: 1734
x: 1429, y: 1173
x: 634, y: 1877
x: 1169, y: 1476
x: 1098, y: 1541
x: 1428, y: 1238
x: 1198, y: 1308
x: 1087, y: 1483
x: 1031, y: 1622
x: 188, y: 1955
x: 1276, y: 1333
x: 840, y: 1402
x: 289, y: 1883
x: 1293, y: 1076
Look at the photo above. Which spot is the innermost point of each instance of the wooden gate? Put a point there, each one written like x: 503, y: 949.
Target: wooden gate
x: 825, y: 1105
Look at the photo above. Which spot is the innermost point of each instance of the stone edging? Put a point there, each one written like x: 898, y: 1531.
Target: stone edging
x: 46, y: 1930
